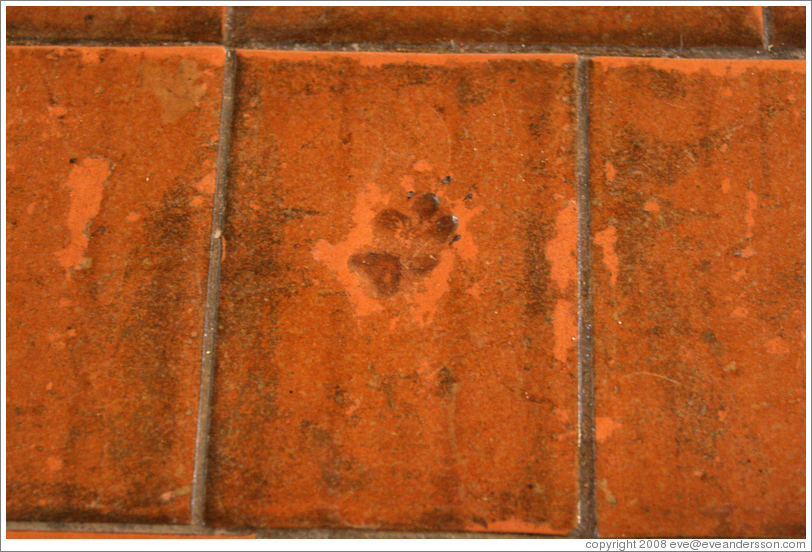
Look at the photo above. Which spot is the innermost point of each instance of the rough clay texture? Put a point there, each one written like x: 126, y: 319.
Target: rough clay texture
x: 432, y: 25
x: 789, y: 26
x: 109, y: 187
x: 398, y: 307
x: 90, y: 535
x: 698, y: 209
x: 115, y: 23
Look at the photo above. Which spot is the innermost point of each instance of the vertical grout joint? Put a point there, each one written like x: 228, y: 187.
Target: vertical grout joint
x: 200, y: 477
x: 587, y: 505
x: 767, y: 27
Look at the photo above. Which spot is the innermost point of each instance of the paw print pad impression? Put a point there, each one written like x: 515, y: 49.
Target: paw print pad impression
x: 400, y: 257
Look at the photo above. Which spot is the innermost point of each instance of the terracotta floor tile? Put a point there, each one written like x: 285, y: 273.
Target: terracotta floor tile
x: 109, y: 187
x: 87, y: 535
x: 789, y: 26
x: 620, y: 26
x: 115, y: 23
x: 698, y: 172
x: 398, y: 301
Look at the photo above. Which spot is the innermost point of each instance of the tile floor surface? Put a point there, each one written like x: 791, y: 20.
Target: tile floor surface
x: 353, y: 272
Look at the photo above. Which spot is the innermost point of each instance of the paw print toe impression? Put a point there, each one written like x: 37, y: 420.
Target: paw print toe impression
x: 405, y: 248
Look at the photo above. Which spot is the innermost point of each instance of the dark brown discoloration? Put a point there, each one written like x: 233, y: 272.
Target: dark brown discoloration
x: 423, y: 264
x: 104, y: 356
x: 697, y: 225
x: 411, y: 245
x: 433, y: 27
x: 390, y: 220
x: 426, y: 206
x: 444, y: 228
x: 789, y: 26
x: 462, y: 440
x: 116, y: 24
x: 382, y: 268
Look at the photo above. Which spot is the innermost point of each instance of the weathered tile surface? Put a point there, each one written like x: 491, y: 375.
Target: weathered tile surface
x: 789, y: 26
x: 388, y: 358
x: 116, y: 23
x: 698, y: 174
x: 109, y: 183
x: 90, y: 535
x: 469, y: 25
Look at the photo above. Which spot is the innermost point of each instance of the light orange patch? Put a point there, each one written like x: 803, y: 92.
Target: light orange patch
x: 53, y: 463
x: 740, y: 312
x: 652, y: 206
x: 422, y: 166
x: 561, y: 250
x: 565, y: 328
x: 752, y: 204
x: 56, y: 111
x: 562, y: 414
x: 475, y: 291
x: 335, y: 256
x: 777, y: 346
x: 722, y: 414
x: 86, y: 187
x: 609, y: 168
x: 353, y: 407
x: 196, y: 201
x: 515, y: 525
x: 133, y: 216
x: 604, y: 428
x: 207, y: 183
x: 606, y: 240
x: 725, y: 185
x: 748, y: 252
x: 254, y: 205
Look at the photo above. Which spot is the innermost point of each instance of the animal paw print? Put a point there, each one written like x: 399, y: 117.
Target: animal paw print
x: 405, y: 248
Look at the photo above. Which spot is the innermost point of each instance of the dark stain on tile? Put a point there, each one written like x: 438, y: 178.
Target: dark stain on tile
x: 698, y: 327
x: 393, y: 314
x: 117, y: 24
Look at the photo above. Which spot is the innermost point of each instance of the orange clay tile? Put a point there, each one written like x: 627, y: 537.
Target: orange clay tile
x: 88, y: 535
x: 398, y: 306
x: 110, y: 166
x: 430, y: 26
x: 115, y: 23
x: 789, y: 26
x: 698, y: 175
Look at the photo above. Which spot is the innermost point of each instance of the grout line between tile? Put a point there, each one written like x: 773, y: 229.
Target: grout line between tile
x: 767, y: 27
x: 160, y: 529
x: 765, y: 52
x: 587, y: 506
x: 75, y: 43
x: 346, y: 533
x: 756, y: 53
x: 199, y: 479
